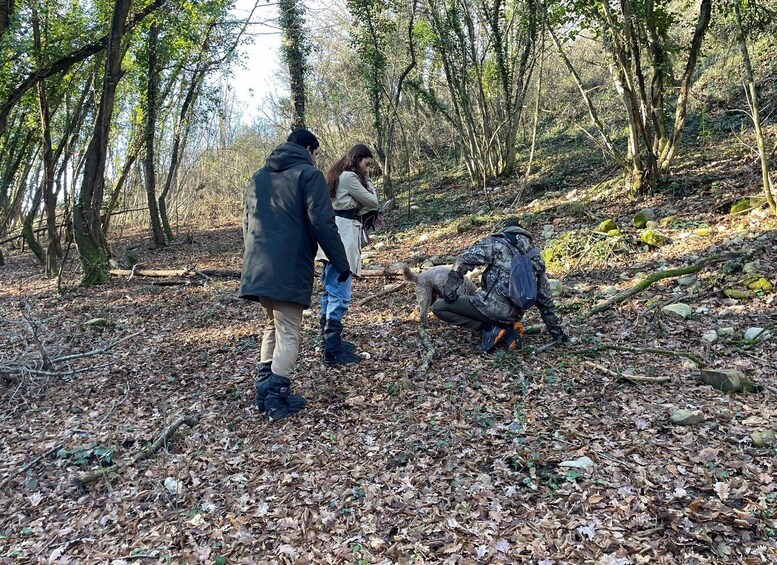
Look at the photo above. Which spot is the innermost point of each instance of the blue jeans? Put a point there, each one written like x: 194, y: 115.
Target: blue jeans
x: 337, y: 296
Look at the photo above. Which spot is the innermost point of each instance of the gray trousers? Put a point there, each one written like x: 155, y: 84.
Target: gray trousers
x: 461, y: 313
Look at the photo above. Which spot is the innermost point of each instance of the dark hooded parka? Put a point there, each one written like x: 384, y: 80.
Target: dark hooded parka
x: 288, y: 213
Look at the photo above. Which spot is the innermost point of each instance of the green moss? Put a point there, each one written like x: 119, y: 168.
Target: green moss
x: 653, y: 238
x: 607, y: 226
x: 737, y: 294
x: 759, y: 284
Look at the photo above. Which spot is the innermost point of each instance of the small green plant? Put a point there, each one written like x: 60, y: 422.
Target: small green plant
x: 80, y: 457
x: 130, y: 257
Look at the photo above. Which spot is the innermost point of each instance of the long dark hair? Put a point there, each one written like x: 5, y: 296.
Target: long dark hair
x: 348, y: 162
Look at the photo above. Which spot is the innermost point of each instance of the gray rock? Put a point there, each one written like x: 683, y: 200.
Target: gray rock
x: 94, y: 323
x: 728, y: 380
x: 677, y: 310
x: 751, y: 268
x: 757, y: 333
x: 610, y: 291
x: 687, y: 280
x: 725, y: 332
x: 710, y: 336
x: 427, y: 264
x: 644, y: 216
x: 683, y: 417
x: 583, y: 463
x: 556, y: 287
x: 762, y: 438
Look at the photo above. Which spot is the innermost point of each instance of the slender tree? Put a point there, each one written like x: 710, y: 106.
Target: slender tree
x: 294, y: 49
x: 751, y: 93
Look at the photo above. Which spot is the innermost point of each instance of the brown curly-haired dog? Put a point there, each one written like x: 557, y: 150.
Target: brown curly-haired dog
x: 429, y: 286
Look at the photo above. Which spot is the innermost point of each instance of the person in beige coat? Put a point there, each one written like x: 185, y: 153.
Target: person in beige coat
x: 352, y: 192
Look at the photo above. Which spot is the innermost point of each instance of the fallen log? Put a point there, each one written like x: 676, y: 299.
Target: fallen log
x: 364, y: 301
x: 635, y: 379
x: 381, y: 273
x: 655, y: 277
x: 166, y: 273
x: 698, y: 362
x: 144, y: 453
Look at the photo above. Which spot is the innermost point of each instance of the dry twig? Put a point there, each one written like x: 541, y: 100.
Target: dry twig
x: 27, y: 466
x: 396, y: 288
x: 429, y: 355
x: 144, y: 453
x: 642, y: 350
x: 636, y: 379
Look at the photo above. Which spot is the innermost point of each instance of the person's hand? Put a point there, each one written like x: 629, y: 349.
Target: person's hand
x: 344, y: 276
x: 451, y: 286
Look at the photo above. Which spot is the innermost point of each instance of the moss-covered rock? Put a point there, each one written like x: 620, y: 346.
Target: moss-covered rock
x: 644, y: 216
x: 668, y: 221
x: 703, y: 231
x: 614, y: 233
x: 759, y: 284
x: 737, y: 294
x: 745, y: 204
x: 607, y: 226
x: 653, y: 238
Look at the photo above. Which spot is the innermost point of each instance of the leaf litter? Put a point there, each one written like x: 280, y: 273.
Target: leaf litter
x: 523, y: 456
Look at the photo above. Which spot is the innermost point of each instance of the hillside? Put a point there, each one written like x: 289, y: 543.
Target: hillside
x: 426, y: 452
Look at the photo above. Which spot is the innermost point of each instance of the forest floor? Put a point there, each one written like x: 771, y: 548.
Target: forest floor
x: 544, y: 455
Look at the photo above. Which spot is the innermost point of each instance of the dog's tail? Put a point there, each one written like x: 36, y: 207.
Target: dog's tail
x: 409, y: 275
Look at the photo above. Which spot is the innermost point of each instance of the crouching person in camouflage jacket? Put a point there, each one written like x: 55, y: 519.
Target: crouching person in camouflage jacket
x: 490, y: 309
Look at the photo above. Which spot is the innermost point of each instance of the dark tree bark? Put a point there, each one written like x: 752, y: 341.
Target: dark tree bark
x: 89, y: 236
x: 149, y: 170
x: 6, y: 9
x: 294, y: 45
x: 53, y: 249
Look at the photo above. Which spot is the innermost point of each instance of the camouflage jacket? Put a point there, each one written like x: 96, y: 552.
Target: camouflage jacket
x: 492, y: 298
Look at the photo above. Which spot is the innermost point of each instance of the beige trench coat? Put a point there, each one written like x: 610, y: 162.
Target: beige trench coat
x: 351, y: 194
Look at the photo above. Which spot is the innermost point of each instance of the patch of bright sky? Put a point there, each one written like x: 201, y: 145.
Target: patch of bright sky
x: 260, y: 75
x: 257, y: 76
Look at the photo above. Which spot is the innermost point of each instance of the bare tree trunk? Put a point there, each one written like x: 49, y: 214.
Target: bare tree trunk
x: 53, y: 250
x: 89, y: 236
x: 28, y: 233
x: 149, y: 169
x: 670, y: 148
x: 179, y: 134
x: 754, y: 110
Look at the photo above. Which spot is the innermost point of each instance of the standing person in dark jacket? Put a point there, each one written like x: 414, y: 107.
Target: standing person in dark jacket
x: 490, y: 309
x: 288, y: 214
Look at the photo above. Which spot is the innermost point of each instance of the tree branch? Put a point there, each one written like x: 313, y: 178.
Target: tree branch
x: 655, y: 277
x: 144, y: 453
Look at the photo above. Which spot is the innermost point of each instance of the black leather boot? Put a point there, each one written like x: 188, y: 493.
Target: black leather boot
x: 336, y: 352
x: 263, y: 372
x: 279, y: 402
